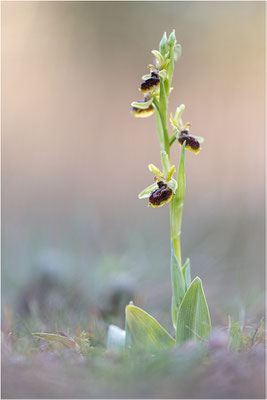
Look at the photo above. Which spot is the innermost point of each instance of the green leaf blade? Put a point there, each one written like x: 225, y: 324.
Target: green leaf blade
x: 145, y: 330
x: 193, y: 320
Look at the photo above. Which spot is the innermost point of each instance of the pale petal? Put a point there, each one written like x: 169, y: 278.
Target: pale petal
x: 155, y: 170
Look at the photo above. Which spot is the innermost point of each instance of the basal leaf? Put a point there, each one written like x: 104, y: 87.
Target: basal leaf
x: 145, y: 330
x: 178, y: 285
x: 54, y: 337
x: 193, y: 320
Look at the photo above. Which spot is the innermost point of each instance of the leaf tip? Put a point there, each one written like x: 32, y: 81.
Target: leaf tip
x: 197, y: 279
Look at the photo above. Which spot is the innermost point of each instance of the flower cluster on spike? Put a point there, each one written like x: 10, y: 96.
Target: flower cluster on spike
x: 156, y: 88
x: 159, y: 70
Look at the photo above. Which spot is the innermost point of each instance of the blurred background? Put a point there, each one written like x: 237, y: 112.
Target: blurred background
x: 75, y: 237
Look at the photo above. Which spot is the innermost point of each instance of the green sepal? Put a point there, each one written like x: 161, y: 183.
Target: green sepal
x: 159, y: 57
x: 142, y: 104
x: 178, y: 285
x: 187, y: 273
x: 146, y: 192
x: 193, y: 320
x: 145, y: 330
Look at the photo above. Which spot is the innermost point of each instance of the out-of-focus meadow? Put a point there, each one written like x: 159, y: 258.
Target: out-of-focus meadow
x: 77, y: 244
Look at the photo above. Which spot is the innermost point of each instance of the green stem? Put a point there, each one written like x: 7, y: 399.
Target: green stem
x: 176, y: 224
x: 161, y: 113
x: 159, y: 124
x: 177, y: 202
x: 176, y: 206
x: 176, y: 209
x: 172, y: 139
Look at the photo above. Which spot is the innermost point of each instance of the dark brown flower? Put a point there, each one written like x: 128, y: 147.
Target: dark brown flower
x: 161, y: 195
x: 151, y: 83
x: 192, y: 143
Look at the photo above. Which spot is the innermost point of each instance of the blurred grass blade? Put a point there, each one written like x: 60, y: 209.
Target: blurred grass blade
x: 193, y: 321
x: 178, y: 285
x: 187, y: 273
x: 116, y: 338
x: 55, y: 337
x: 145, y: 330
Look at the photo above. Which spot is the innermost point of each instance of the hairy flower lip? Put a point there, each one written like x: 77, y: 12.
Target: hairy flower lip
x: 192, y: 143
x: 151, y: 83
x: 160, y: 196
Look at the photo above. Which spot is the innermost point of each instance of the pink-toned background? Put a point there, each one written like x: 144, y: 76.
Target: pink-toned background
x: 74, y: 158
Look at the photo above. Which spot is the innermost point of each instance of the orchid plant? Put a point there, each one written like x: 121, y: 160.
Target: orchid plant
x: 189, y: 310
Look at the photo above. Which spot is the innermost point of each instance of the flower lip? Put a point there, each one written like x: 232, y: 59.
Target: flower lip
x: 143, y: 113
x: 151, y: 83
x: 160, y: 196
x: 191, y: 142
